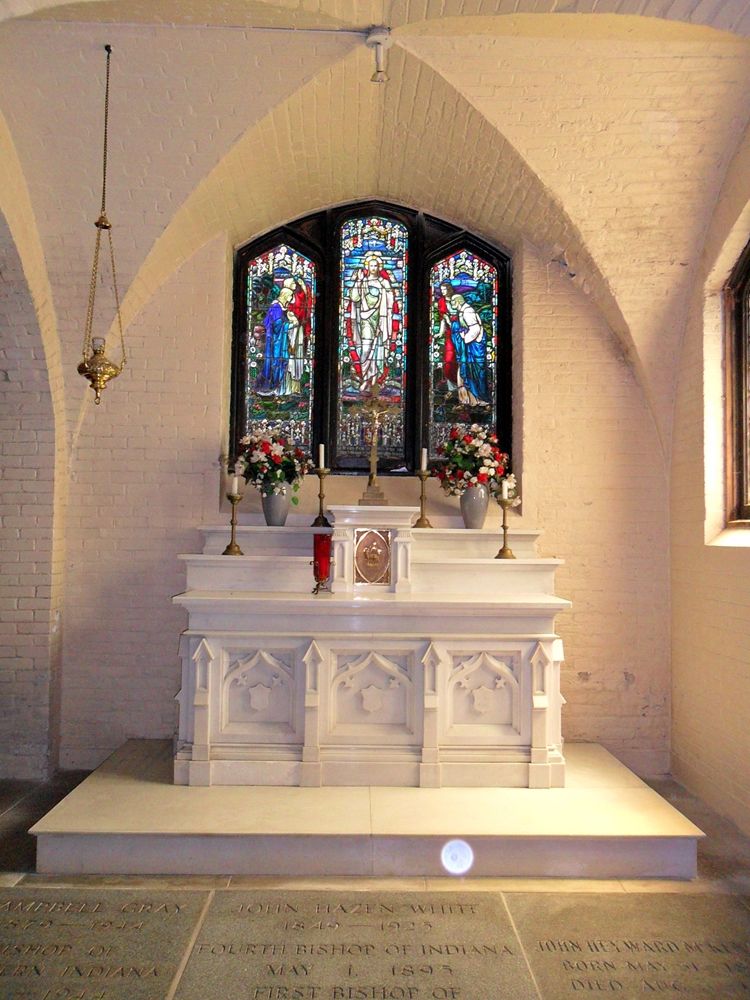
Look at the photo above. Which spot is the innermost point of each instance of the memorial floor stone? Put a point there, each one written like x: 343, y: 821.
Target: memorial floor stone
x: 635, y: 946
x: 356, y: 946
x: 95, y: 944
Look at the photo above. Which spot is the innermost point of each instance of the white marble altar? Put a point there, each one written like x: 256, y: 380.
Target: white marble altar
x: 447, y: 674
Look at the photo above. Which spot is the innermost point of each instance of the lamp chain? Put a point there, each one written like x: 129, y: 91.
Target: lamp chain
x: 117, y: 298
x: 103, y: 223
x: 92, y: 297
x: 108, y: 50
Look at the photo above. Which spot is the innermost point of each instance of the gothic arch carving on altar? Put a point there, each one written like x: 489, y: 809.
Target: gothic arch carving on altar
x: 259, y: 689
x: 372, y: 695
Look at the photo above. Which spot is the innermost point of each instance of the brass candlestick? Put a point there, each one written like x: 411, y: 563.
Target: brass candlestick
x: 321, y: 521
x: 423, y: 521
x: 505, y: 552
x: 233, y: 548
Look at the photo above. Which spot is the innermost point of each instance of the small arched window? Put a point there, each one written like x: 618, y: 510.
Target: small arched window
x: 738, y: 394
x: 365, y: 299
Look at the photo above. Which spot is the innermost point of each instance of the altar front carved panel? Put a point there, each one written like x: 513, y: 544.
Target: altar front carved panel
x: 373, y: 697
x: 260, y: 695
x: 484, y: 694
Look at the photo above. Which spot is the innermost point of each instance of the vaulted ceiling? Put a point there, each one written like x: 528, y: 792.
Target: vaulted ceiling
x: 602, y: 138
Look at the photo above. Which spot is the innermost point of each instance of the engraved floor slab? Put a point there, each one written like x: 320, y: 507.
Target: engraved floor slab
x: 96, y: 944
x: 356, y: 946
x: 635, y: 945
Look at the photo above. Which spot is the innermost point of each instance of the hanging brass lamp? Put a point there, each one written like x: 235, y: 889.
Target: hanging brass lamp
x: 96, y: 366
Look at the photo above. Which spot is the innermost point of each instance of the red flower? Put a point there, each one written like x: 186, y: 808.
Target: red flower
x: 481, y: 476
x: 276, y: 459
x: 265, y: 447
x: 454, y: 433
x: 468, y: 438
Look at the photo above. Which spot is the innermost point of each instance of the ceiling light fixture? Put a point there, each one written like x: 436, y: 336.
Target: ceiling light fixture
x: 379, y: 39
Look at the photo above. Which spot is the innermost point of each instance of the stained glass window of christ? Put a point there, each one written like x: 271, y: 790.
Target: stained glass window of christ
x: 372, y: 333
x: 371, y: 299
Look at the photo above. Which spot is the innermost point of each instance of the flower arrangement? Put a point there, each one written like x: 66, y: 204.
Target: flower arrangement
x: 473, y: 457
x: 271, y: 462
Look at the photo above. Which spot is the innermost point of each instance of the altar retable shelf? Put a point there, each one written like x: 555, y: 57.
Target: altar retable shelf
x: 445, y: 672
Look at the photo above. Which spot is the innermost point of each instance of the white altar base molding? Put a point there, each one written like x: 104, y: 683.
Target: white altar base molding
x: 128, y: 818
x: 446, y: 674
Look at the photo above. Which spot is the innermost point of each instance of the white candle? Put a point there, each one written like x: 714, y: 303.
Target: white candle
x: 236, y: 485
x: 321, y: 456
x: 505, y: 489
x: 423, y: 466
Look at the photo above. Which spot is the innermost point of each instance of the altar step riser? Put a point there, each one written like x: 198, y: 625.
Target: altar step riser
x: 437, y: 543
x: 294, y: 575
x: 364, y: 856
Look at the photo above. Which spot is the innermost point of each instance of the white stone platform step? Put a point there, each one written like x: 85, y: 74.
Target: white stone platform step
x: 128, y: 818
x: 435, y: 543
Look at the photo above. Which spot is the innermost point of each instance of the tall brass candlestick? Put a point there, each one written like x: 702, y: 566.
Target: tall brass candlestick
x: 423, y: 521
x: 321, y: 521
x: 233, y: 548
x: 505, y: 552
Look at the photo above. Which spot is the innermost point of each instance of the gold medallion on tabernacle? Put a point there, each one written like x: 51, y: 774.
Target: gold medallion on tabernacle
x: 372, y: 556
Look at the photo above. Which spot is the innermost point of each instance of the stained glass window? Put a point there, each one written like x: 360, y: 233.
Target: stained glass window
x: 280, y: 311
x: 372, y: 333
x: 370, y: 305
x: 463, y: 316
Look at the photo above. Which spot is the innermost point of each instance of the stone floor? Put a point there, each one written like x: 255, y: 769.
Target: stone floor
x: 166, y: 937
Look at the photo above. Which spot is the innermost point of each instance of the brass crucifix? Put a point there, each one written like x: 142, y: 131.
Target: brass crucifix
x: 372, y: 410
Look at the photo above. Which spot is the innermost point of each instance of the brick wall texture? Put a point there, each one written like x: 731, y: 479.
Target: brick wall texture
x: 28, y: 629
x: 605, y: 152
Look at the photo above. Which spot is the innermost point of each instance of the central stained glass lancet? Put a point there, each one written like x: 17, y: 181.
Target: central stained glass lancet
x: 372, y: 333
x: 280, y: 344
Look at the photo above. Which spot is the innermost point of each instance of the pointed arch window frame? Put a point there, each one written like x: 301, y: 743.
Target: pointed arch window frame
x: 737, y: 313
x: 317, y: 236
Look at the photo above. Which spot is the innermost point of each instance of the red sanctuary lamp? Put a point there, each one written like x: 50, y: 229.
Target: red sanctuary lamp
x: 321, y: 560
x: 321, y: 540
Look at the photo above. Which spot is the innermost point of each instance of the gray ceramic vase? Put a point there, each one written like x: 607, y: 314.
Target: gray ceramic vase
x: 474, y: 503
x: 276, y: 508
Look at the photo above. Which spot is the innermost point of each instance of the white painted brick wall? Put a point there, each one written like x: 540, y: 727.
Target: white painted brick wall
x: 710, y: 582
x: 26, y: 465
x: 594, y: 480
x: 136, y: 500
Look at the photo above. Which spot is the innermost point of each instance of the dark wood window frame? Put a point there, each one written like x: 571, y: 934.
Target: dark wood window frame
x: 737, y: 311
x: 430, y: 240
